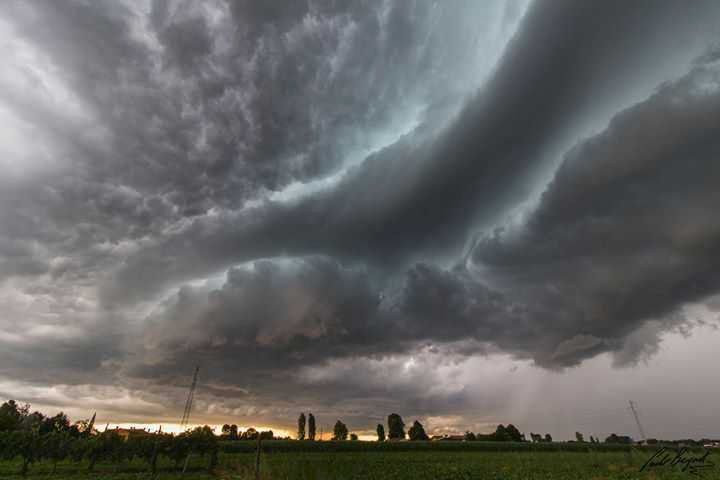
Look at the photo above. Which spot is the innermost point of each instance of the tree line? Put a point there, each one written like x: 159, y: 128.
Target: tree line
x: 231, y: 432
x: 33, y: 437
x: 416, y: 432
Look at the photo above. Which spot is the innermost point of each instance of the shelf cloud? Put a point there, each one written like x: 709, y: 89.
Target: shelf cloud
x: 312, y: 197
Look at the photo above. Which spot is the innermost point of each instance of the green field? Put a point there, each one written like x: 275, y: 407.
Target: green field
x: 407, y: 460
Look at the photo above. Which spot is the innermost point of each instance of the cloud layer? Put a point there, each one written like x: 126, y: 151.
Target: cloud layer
x: 294, y: 194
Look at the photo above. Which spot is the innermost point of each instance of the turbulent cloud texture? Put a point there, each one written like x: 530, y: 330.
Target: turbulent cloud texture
x: 333, y: 205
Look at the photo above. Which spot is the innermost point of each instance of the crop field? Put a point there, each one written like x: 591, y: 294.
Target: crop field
x: 450, y: 465
x: 407, y: 460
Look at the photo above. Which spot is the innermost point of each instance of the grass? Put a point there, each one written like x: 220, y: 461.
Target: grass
x: 399, y: 461
x: 134, y: 470
x: 452, y: 465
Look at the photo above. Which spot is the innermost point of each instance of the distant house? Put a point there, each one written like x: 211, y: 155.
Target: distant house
x: 621, y: 439
x: 126, y: 433
x: 448, y: 438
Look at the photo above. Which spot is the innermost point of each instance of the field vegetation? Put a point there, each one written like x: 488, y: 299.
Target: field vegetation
x: 36, y: 446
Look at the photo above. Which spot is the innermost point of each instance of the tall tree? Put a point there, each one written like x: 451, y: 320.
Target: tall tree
x: 396, y: 427
x: 32, y: 421
x: 380, y: 432
x: 501, y: 434
x: 513, y: 434
x: 340, y: 431
x: 11, y: 415
x: 417, y: 432
x: 579, y: 437
x: 311, y: 426
x: 58, y: 423
x: 301, y: 427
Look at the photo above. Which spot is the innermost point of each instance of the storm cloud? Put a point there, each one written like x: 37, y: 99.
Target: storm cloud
x: 295, y: 193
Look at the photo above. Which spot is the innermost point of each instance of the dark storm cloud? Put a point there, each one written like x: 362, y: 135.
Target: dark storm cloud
x: 626, y: 231
x: 193, y: 109
x: 300, y: 312
x: 168, y: 139
x: 577, y: 278
x: 315, y: 327
x: 276, y: 307
x: 426, y: 193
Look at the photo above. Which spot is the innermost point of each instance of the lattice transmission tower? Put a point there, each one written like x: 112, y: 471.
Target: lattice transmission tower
x: 189, y: 401
x: 637, y: 421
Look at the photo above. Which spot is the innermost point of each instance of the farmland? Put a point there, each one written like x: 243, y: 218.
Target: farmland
x: 402, y: 460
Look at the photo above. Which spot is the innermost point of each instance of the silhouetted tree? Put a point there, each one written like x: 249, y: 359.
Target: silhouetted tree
x: 340, y: 431
x: 469, y: 436
x: 501, y: 434
x: 353, y: 436
x: 311, y: 426
x: 396, y: 427
x: 56, y: 447
x: 548, y: 438
x: 380, y: 432
x: 513, y: 434
x: 417, y: 432
x: 301, y: 427
x: 11, y: 415
x: 32, y: 421
x: 249, y: 434
x: 579, y: 437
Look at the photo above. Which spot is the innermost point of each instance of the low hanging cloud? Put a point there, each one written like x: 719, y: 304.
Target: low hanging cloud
x: 574, y: 279
x: 626, y: 231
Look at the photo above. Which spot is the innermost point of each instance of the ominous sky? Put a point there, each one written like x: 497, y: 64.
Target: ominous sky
x: 467, y: 212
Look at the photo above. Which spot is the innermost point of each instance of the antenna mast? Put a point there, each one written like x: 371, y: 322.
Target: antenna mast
x: 189, y: 401
x: 637, y: 420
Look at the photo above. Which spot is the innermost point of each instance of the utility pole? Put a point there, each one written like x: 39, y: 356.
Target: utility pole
x: 637, y: 420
